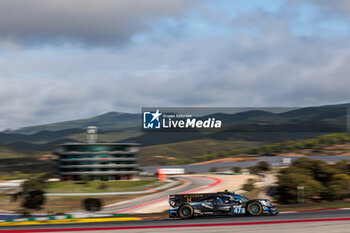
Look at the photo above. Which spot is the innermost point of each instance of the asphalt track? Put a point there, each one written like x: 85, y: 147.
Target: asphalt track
x: 330, y: 221
x: 192, y: 183
x: 274, y: 161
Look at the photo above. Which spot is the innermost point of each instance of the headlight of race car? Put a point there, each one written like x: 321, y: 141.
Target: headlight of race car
x: 172, y: 203
x: 266, y: 202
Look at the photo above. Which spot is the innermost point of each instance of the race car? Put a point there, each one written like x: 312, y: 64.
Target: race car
x: 221, y: 203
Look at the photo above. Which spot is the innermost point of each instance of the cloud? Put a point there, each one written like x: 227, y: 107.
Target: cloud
x: 87, y: 22
x: 226, y: 72
x: 261, y: 63
x: 338, y: 6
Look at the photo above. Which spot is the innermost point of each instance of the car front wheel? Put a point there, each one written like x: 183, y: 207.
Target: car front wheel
x: 254, y: 208
x: 186, y: 212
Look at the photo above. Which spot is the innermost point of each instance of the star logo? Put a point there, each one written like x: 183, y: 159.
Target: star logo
x: 156, y: 115
x: 152, y: 120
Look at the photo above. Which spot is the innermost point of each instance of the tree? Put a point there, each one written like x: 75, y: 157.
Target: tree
x: 296, y: 170
x: 267, y: 150
x: 249, y: 186
x: 44, y: 176
x: 263, y: 166
x: 213, y: 169
x: 342, y: 166
x: 254, y: 169
x: 237, y: 169
x: 33, y: 200
x: 288, y: 184
x: 33, y: 184
x: 92, y: 204
x: 319, y: 179
x: 339, y: 187
x: 303, y: 162
x: 102, y: 186
x: 33, y: 193
x: 254, y: 150
x: 322, y: 171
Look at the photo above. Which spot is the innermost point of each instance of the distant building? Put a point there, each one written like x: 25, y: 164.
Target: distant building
x: 97, y: 161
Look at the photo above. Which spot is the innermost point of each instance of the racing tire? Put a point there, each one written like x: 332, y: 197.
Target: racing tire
x: 186, y: 212
x: 254, y: 208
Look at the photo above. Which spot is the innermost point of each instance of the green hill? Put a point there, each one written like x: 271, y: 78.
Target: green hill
x: 249, y: 126
x: 106, y: 122
x: 39, y: 137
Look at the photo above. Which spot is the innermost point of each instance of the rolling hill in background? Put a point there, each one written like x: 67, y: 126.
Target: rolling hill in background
x: 27, y: 147
x: 106, y: 122
x: 302, y: 120
x: 42, y: 136
x: 254, y: 126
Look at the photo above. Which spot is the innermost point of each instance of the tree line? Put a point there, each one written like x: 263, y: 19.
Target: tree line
x: 319, y: 180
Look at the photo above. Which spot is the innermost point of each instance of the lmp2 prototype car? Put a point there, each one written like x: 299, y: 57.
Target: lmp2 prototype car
x: 221, y: 203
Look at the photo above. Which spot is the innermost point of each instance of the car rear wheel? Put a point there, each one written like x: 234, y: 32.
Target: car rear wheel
x: 186, y: 212
x: 254, y: 208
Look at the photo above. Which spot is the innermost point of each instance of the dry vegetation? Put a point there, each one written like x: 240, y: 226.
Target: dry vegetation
x: 176, y: 152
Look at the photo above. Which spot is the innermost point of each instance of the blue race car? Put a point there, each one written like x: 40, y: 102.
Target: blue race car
x: 221, y: 203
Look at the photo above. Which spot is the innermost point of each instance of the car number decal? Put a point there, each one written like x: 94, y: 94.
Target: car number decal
x: 238, y: 210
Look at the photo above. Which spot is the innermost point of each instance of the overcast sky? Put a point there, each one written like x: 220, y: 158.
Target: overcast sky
x: 70, y: 59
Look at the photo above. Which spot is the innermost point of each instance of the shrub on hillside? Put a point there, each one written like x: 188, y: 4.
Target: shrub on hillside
x: 338, y: 188
x: 289, y: 183
x: 33, y: 193
x: 213, y: 169
x: 261, y: 167
x: 102, y: 186
x: 33, y: 199
x: 33, y: 184
x: 343, y: 166
x: 92, y: 204
x: 250, y: 185
x: 319, y: 179
x: 237, y: 169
